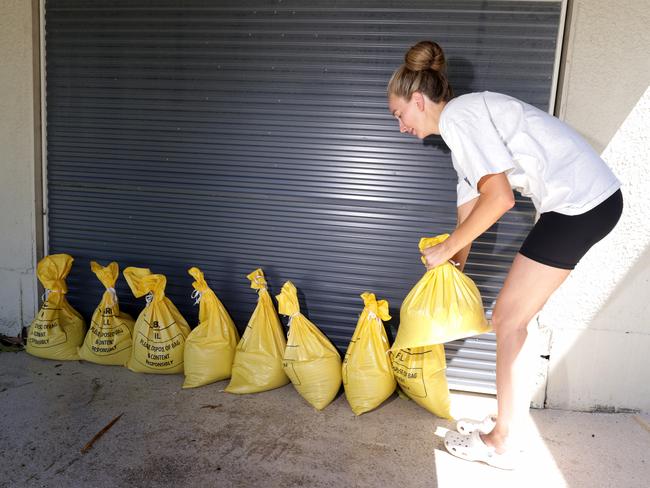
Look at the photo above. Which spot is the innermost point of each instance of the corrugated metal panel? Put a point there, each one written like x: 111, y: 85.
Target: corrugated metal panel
x: 231, y: 135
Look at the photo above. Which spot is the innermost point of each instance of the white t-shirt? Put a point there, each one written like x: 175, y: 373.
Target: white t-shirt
x: 543, y: 158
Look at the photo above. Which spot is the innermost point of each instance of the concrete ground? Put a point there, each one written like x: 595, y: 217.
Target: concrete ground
x: 204, y: 437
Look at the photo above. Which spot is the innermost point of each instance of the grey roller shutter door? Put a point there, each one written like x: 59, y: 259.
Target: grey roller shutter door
x: 236, y: 135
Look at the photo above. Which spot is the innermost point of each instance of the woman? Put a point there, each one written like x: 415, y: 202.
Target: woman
x: 498, y: 144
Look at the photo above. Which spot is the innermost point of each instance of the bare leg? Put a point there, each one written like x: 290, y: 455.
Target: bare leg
x: 527, y: 288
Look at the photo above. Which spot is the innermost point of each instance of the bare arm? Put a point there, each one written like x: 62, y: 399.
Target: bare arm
x: 495, y: 199
x: 463, y: 212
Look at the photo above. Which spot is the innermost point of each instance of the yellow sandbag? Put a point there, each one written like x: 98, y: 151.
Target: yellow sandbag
x: 110, y: 336
x: 160, y: 329
x: 58, y: 329
x: 420, y: 373
x: 443, y: 306
x: 367, y: 373
x: 258, y: 358
x: 210, y: 347
x: 311, y: 362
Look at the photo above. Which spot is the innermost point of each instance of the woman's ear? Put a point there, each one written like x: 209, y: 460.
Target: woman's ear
x: 419, y: 101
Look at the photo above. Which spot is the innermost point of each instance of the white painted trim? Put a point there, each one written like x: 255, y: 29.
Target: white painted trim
x: 45, y: 209
x: 558, y: 57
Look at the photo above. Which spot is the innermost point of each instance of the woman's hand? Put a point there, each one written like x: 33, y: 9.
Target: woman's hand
x: 436, y: 255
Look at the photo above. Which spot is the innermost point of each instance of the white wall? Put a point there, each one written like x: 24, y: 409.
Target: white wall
x: 606, y: 65
x: 600, y: 318
x: 19, y: 163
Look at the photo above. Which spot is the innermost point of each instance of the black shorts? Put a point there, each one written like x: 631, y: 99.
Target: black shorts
x: 560, y: 240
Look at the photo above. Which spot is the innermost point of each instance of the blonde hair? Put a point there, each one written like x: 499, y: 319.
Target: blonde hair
x: 425, y: 71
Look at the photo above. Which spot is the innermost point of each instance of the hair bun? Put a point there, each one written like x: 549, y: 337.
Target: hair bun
x: 425, y: 55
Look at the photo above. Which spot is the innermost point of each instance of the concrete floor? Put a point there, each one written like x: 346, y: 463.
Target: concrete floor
x: 204, y: 437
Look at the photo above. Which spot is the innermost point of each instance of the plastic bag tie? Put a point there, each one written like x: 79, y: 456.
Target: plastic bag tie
x: 47, y: 293
x: 111, y: 290
x: 291, y: 317
x: 196, y: 295
x: 257, y: 279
